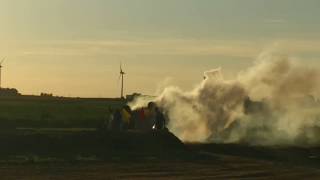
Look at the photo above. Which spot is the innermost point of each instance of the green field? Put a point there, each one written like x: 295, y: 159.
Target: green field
x: 54, y: 112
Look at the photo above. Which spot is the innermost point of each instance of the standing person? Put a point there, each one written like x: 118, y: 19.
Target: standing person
x: 151, y: 115
x: 140, y: 119
x: 132, y: 122
x: 126, y: 115
x: 108, y: 119
x: 159, y: 120
x: 116, y: 121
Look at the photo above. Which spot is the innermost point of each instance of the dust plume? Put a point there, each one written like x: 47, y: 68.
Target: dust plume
x: 274, y: 102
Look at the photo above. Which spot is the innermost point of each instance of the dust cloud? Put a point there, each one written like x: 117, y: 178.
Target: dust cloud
x: 274, y: 102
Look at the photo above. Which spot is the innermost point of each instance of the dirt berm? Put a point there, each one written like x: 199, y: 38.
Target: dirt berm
x: 103, y: 145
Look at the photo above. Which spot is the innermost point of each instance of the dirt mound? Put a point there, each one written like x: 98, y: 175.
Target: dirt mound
x: 105, y: 145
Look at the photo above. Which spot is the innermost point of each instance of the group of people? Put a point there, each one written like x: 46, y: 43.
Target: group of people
x: 143, y: 119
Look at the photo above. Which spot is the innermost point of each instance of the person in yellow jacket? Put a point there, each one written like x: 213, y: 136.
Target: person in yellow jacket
x: 126, y: 118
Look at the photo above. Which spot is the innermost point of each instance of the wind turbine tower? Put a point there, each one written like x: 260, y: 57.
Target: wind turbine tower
x: 1, y: 72
x: 122, y: 73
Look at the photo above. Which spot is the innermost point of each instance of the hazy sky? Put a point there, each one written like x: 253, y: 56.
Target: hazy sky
x: 73, y: 47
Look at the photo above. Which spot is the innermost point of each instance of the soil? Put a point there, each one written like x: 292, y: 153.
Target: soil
x: 149, y: 155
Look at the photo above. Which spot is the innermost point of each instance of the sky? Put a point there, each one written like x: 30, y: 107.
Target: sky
x: 74, y: 47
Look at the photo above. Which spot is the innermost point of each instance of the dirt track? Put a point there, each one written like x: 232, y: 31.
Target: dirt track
x: 224, y: 167
x: 151, y: 155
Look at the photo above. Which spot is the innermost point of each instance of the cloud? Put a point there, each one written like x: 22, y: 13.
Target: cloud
x: 142, y: 47
x: 180, y: 47
x: 298, y: 46
x: 275, y: 21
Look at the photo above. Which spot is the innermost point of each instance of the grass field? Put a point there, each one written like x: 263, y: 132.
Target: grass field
x: 49, y: 112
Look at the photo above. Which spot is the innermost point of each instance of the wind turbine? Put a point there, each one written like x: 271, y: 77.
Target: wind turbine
x: 1, y: 71
x: 122, y: 73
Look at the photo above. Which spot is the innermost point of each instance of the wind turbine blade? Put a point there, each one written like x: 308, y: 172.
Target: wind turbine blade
x: 2, y: 61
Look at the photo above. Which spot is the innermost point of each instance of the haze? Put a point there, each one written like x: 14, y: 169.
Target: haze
x: 74, y: 47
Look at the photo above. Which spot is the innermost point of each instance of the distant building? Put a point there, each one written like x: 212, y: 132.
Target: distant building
x: 9, y: 92
x: 46, y: 95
